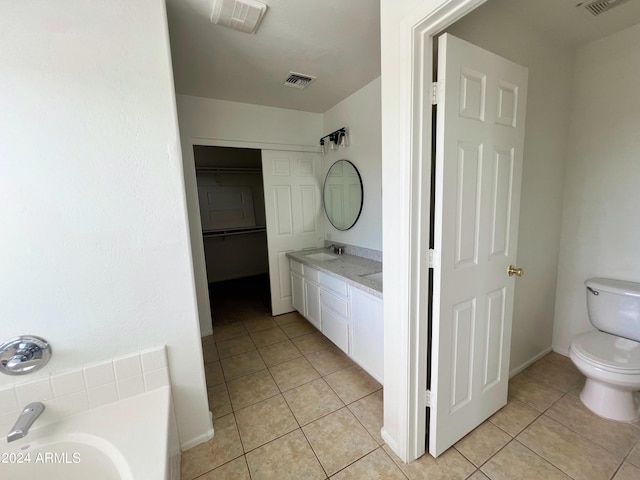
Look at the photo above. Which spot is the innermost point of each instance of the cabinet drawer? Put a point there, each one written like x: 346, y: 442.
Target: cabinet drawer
x: 336, y: 304
x: 311, y: 273
x: 334, y: 284
x: 335, y: 330
x: 296, y: 267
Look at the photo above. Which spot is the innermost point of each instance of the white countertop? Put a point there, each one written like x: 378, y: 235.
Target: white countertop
x: 347, y: 267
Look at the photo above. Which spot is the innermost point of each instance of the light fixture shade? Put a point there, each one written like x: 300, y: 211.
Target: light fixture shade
x: 344, y: 140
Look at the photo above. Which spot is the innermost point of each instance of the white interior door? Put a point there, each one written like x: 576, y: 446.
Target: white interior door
x: 479, y: 143
x: 293, y: 207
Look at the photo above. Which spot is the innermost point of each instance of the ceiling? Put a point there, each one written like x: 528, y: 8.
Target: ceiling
x: 572, y: 25
x: 338, y: 41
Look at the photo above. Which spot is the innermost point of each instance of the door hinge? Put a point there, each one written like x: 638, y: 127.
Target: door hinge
x: 434, y: 260
x: 435, y: 93
x: 427, y: 398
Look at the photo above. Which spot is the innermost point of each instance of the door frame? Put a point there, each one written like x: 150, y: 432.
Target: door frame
x: 407, y: 73
x: 199, y: 270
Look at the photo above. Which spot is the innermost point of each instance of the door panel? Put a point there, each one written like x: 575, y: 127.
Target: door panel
x: 494, y: 337
x: 479, y: 143
x: 469, y: 188
x: 502, y: 194
x: 292, y: 207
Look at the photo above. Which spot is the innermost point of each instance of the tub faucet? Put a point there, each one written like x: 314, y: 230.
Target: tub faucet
x: 28, y: 415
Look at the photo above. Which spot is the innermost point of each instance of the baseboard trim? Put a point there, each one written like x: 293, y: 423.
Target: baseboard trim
x: 520, y: 368
x: 561, y: 350
x: 389, y: 441
x: 200, y: 438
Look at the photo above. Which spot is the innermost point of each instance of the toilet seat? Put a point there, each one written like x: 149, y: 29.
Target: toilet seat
x: 608, y: 352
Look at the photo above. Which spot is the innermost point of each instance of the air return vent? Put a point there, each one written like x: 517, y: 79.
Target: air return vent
x: 298, y: 80
x: 596, y: 7
x: 242, y: 15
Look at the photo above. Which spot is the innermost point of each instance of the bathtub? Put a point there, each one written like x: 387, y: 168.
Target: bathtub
x: 131, y: 439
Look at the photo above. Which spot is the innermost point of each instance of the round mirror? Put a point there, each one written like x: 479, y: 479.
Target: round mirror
x: 343, y: 194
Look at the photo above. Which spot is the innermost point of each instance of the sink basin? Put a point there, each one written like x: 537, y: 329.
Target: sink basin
x: 321, y: 256
x: 377, y: 276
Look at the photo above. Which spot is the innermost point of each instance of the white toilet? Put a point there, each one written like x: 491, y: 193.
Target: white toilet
x: 610, y: 358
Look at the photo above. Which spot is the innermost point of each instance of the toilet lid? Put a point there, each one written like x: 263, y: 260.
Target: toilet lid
x: 608, y: 351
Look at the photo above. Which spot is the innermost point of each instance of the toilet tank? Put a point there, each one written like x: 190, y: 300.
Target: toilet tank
x: 614, y: 306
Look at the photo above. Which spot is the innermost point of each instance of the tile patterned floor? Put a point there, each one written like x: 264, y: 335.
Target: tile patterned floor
x: 288, y: 404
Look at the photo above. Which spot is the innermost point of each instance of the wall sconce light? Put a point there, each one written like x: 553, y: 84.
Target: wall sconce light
x: 335, y: 139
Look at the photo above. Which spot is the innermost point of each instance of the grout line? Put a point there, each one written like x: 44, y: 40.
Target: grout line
x: 616, y: 471
x: 345, y: 405
x: 321, y: 416
x: 360, y: 458
x: 392, y: 462
x: 544, y: 459
x: 587, y: 438
x: 523, y: 428
x: 246, y: 462
x: 581, y: 436
x: 576, y: 432
x: 636, y: 444
x: 314, y: 453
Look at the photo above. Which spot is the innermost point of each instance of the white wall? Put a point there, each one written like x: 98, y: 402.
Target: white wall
x: 205, y: 121
x: 601, y: 227
x: 360, y: 113
x: 550, y: 67
x: 402, y: 366
x: 94, y: 247
x: 236, y: 256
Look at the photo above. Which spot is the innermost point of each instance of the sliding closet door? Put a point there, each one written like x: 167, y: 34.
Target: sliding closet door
x: 293, y: 203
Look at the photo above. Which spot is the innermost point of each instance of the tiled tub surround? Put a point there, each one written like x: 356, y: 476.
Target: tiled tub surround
x: 134, y: 438
x: 88, y: 387
x: 346, y: 267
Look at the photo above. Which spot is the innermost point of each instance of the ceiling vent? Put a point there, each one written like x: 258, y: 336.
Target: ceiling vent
x: 242, y: 15
x: 298, y: 80
x: 596, y: 7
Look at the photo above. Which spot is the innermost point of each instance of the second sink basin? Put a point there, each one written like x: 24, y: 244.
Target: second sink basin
x: 321, y: 256
x: 377, y: 276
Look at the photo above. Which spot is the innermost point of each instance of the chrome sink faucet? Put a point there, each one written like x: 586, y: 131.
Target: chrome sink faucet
x: 29, y: 414
x: 337, y: 249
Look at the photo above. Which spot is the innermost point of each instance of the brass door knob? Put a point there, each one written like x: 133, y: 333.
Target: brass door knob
x: 513, y: 270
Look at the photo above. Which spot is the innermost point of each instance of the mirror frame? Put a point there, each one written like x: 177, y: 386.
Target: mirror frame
x: 324, y: 202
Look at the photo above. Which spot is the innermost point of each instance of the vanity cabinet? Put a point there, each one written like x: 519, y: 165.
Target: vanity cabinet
x: 297, y: 289
x: 334, y: 301
x: 312, y: 302
x: 305, y: 292
x: 348, y: 316
x: 367, y: 328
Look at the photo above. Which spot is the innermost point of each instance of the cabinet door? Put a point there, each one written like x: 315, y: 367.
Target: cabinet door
x: 297, y: 292
x: 335, y: 329
x: 367, y: 334
x: 312, y: 303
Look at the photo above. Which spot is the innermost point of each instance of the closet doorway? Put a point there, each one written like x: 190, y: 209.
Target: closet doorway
x: 232, y: 213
